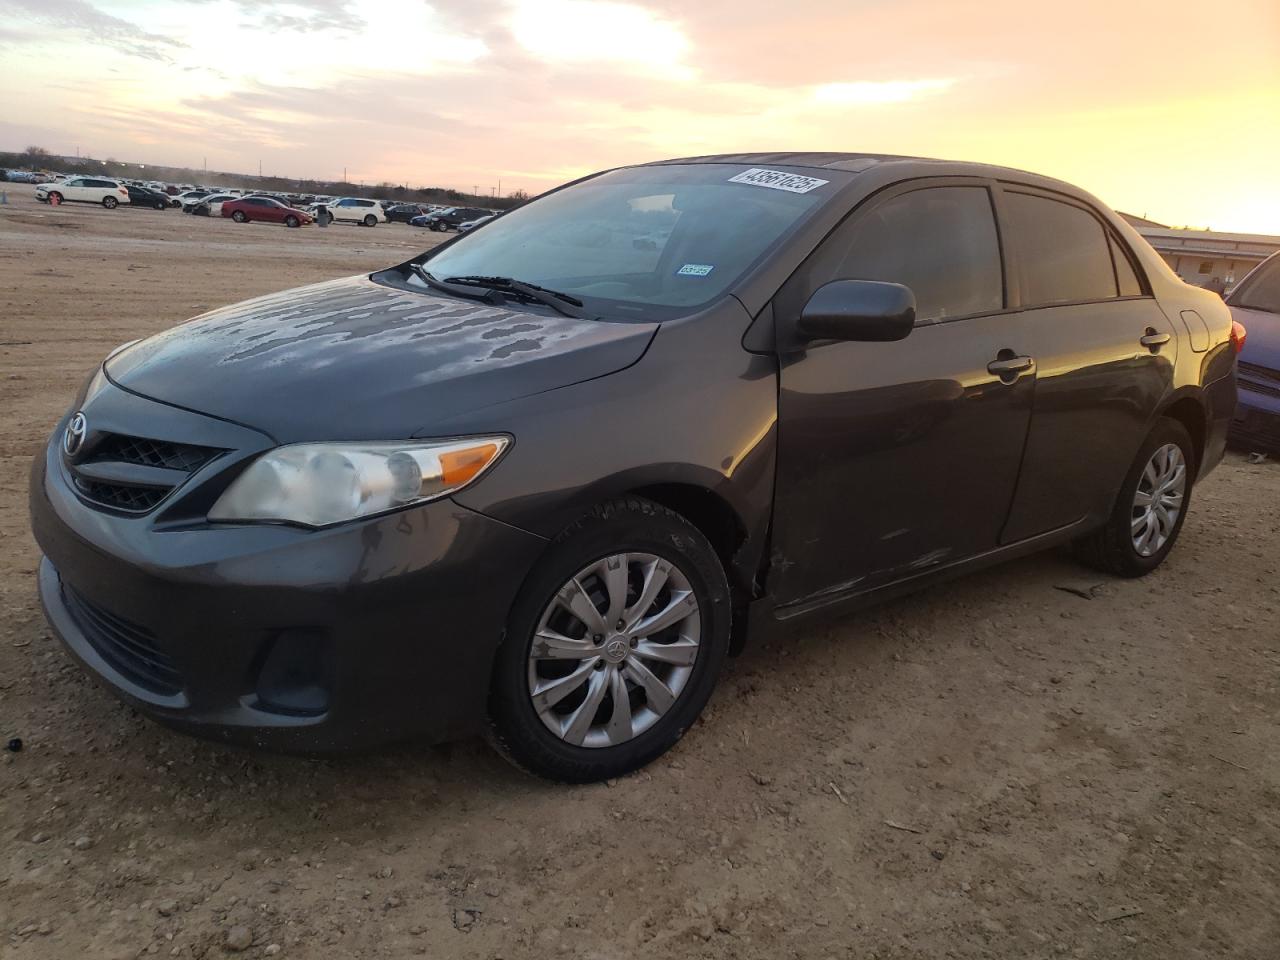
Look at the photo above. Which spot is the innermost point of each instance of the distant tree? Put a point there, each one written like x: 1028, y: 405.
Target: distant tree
x: 35, y: 157
x: 519, y: 196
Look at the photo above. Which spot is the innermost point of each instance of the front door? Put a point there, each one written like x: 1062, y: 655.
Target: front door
x: 895, y: 458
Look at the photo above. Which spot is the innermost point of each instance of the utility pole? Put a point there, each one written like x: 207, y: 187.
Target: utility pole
x: 344, y: 174
x: 475, y: 190
x: 259, y: 169
x: 499, y: 186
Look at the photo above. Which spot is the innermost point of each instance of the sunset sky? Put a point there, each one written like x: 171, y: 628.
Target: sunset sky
x: 1169, y: 109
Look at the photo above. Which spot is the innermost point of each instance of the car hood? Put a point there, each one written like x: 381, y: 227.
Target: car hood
x: 1262, y: 337
x: 356, y: 360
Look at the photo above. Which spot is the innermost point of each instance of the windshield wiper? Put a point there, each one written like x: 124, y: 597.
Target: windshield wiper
x: 564, y: 303
x: 426, y: 277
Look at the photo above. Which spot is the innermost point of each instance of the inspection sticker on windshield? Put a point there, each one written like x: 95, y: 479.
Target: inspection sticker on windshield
x: 694, y: 270
x: 778, y: 180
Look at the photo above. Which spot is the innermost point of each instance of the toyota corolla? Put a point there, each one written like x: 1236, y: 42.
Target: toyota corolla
x: 541, y: 480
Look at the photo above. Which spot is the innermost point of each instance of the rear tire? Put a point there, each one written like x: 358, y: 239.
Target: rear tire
x: 1141, y: 530
x: 238, y: 216
x: 110, y: 202
x: 371, y: 221
x: 660, y: 547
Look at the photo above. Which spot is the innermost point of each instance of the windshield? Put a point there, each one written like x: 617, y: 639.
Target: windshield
x: 1261, y: 290
x: 642, y: 242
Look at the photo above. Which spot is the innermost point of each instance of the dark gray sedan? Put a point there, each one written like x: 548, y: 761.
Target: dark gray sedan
x: 542, y: 479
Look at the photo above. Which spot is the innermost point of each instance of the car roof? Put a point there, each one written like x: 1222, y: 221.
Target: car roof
x: 907, y: 166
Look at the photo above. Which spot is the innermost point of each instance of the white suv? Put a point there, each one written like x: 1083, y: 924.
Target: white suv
x: 83, y: 190
x: 357, y: 210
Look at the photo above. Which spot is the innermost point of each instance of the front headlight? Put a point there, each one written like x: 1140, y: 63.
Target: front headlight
x: 318, y: 484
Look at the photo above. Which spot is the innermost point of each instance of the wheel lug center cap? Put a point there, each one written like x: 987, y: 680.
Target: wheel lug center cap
x: 616, y: 648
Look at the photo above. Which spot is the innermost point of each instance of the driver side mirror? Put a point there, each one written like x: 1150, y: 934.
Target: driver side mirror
x: 861, y: 310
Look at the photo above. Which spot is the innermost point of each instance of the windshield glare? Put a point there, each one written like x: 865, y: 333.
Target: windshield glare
x: 633, y: 242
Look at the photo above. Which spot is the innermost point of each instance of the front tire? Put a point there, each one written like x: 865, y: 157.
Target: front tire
x: 291, y: 221
x: 613, y: 645
x: 110, y: 202
x: 1150, y: 508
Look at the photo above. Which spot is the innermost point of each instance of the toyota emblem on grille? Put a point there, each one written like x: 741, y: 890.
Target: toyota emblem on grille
x: 73, y: 436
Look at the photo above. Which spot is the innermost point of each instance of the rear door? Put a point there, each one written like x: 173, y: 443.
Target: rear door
x: 895, y: 458
x: 1104, y: 352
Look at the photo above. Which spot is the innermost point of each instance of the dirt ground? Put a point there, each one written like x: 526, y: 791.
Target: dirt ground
x: 991, y: 768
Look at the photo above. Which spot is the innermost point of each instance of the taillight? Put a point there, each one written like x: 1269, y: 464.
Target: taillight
x: 1238, y: 334
x: 123, y: 190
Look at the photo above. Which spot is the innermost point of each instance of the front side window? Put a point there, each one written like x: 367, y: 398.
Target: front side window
x: 1062, y: 251
x: 941, y: 242
x: 646, y: 242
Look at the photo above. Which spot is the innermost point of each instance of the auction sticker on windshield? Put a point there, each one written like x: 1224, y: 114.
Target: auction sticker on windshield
x: 695, y: 270
x: 778, y: 180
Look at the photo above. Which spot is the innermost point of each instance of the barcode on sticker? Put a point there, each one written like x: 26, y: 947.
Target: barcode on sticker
x: 694, y: 270
x: 778, y: 180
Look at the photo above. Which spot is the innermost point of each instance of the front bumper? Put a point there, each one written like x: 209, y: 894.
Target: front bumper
x: 310, y: 640
x: 1256, y: 424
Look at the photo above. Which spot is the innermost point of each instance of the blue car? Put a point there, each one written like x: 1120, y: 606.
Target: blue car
x: 1255, y: 303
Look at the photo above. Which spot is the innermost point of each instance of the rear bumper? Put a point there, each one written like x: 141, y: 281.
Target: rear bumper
x: 349, y: 637
x: 1220, y: 396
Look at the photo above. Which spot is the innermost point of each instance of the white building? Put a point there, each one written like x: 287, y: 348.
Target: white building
x: 1198, y: 256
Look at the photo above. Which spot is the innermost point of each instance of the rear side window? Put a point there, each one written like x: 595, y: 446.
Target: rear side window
x: 1062, y: 252
x: 941, y: 242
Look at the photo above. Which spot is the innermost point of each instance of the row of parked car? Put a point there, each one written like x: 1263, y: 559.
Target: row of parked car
x: 292, y: 210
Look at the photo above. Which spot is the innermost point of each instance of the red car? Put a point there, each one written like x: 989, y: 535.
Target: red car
x: 266, y: 210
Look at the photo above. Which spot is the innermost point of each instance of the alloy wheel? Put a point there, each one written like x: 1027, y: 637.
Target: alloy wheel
x: 614, y: 649
x: 1158, y: 500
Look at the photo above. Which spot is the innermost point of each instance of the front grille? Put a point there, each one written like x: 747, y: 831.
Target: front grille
x: 118, y: 496
x: 133, y: 474
x: 1260, y: 379
x: 152, y: 453
x: 131, y: 649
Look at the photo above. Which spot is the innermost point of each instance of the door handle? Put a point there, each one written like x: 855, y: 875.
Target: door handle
x: 1009, y: 366
x: 1153, y: 339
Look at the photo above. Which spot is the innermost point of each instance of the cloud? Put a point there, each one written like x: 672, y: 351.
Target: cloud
x: 300, y: 16
x: 574, y: 31
x: 863, y: 92
x: 91, y: 25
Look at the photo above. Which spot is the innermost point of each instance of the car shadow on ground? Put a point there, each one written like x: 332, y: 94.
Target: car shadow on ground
x: 400, y: 786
